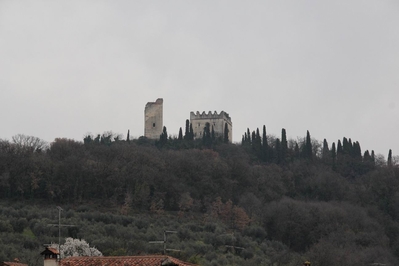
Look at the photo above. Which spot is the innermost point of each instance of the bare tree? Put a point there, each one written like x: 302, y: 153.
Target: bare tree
x: 29, y: 142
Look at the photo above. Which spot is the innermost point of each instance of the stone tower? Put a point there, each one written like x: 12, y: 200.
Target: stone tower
x: 153, y: 116
x: 215, y: 120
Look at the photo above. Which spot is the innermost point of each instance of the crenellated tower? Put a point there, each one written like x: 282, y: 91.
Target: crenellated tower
x: 218, y: 121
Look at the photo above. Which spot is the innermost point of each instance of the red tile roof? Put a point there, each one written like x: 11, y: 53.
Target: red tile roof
x: 54, y: 250
x: 49, y: 250
x: 150, y: 260
x: 13, y: 264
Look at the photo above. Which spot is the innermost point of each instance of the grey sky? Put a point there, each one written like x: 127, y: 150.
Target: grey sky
x: 331, y: 67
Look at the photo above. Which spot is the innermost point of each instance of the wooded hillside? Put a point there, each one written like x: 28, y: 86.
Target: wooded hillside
x: 283, y: 201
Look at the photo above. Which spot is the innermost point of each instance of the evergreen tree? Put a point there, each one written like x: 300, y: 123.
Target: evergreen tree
x: 339, y: 148
x: 367, y: 161
x: 366, y: 156
x: 191, y: 135
x: 390, y: 158
x: 277, y: 152
x: 350, y: 147
x: 357, y: 151
x: 128, y: 136
x: 372, y: 157
x: 253, y: 137
x: 163, y: 138
x: 284, y: 145
x: 213, y: 134
x: 326, y: 153
x: 88, y: 139
x: 334, y: 156
x: 206, y: 137
x: 345, y: 146
x: 265, y: 146
x: 248, y: 136
x: 226, y: 133
x: 308, y: 147
x: 257, y: 144
x: 187, y: 130
x: 180, y: 134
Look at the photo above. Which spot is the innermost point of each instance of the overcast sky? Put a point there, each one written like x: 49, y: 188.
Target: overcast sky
x: 68, y: 68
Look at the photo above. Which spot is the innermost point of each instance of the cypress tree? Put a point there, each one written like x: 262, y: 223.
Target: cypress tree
x: 284, y: 145
x: 357, y: 151
x: 308, y: 146
x: 165, y: 133
x: 326, y: 153
x: 372, y: 157
x: 206, y: 137
x: 180, y: 134
x: 345, y: 146
x: 213, y: 134
x: 390, y: 158
x: 257, y: 144
x: 248, y: 136
x: 208, y: 130
x: 187, y: 131
x: 278, y: 151
x: 334, y: 156
x: 339, y: 148
x: 128, y: 136
x: 367, y: 161
x: 265, y: 146
x: 163, y: 138
x: 366, y: 156
x: 226, y: 133
x: 191, y: 135
x: 350, y: 147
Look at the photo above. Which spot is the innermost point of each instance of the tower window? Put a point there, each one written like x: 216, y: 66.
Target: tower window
x: 153, y: 124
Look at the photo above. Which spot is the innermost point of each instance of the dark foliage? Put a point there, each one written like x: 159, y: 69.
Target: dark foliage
x: 283, y: 201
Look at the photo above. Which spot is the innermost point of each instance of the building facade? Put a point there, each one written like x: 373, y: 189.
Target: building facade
x: 153, y: 117
x: 215, y: 120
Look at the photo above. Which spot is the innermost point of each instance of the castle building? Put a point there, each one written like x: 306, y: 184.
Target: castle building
x: 215, y: 120
x: 153, y: 116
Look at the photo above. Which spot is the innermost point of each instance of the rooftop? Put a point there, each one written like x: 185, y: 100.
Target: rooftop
x: 150, y: 260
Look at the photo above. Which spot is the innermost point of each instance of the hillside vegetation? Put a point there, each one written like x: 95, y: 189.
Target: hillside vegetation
x: 277, y: 201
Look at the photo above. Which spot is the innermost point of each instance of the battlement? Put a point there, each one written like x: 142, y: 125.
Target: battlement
x: 218, y: 122
x: 210, y: 115
x: 158, y: 102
